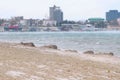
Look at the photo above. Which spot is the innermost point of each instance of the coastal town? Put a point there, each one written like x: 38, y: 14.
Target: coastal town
x: 56, y: 22
x: 60, y: 40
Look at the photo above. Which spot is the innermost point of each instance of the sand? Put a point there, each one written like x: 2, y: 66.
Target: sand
x: 19, y: 62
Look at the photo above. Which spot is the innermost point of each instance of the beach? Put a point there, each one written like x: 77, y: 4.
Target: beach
x: 20, y: 62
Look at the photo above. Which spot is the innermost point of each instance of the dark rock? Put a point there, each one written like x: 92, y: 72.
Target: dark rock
x: 89, y: 52
x: 72, y: 51
x: 51, y: 46
x: 30, y: 44
x: 111, y: 54
x: 108, y: 54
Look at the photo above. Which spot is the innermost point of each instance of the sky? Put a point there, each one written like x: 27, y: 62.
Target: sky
x: 72, y: 9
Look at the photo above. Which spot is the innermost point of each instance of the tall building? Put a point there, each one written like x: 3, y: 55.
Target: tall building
x: 56, y: 14
x: 112, y: 15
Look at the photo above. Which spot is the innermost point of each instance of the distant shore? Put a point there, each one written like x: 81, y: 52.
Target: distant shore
x: 26, y: 62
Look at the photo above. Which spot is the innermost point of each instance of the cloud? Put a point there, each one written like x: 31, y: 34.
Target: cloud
x: 73, y: 9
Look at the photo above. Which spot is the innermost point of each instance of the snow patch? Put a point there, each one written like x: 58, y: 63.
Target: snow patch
x: 62, y: 79
x: 41, y: 66
x: 35, y: 78
x: 42, y: 73
x: 1, y: 64
x: 73, y: 78
x: 59, y: 70
x: 15, y: 73
x: 70, y: 78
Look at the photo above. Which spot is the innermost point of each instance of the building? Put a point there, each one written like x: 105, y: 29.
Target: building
x: 112, y: 15
x: 70, y: 27
x: 49, y: 23
x: 56, y: 14
x: 77, y: 27
x: 95, y: 20
x: 113, y: 28
x: 12, y: 28
x: 18, y: 18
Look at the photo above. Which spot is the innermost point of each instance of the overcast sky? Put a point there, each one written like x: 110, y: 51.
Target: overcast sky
x: 72, y: 9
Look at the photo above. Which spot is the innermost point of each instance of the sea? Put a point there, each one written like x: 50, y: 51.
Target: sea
x: 98, y: 41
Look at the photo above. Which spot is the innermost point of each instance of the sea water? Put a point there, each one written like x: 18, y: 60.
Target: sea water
x: 99, y: 41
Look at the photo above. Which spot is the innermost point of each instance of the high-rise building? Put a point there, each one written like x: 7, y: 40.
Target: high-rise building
x: 56, y: 14
x: 112, y: 15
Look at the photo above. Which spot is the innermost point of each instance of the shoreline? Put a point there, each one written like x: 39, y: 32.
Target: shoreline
x: 56, y: 51
x: 40, y: 63
x: 75, y: 41
x: 96, y: 52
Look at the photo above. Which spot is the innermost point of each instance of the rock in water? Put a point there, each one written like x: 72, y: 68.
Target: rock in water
x: 30, y: 44
x: 51, y: 46
x: 108, y: 54
x: 71, y: 51
x: 89, y: 52
x: 111, y: 54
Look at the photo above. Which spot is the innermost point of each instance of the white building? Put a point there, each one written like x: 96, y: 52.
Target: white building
x: 49, y: 23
